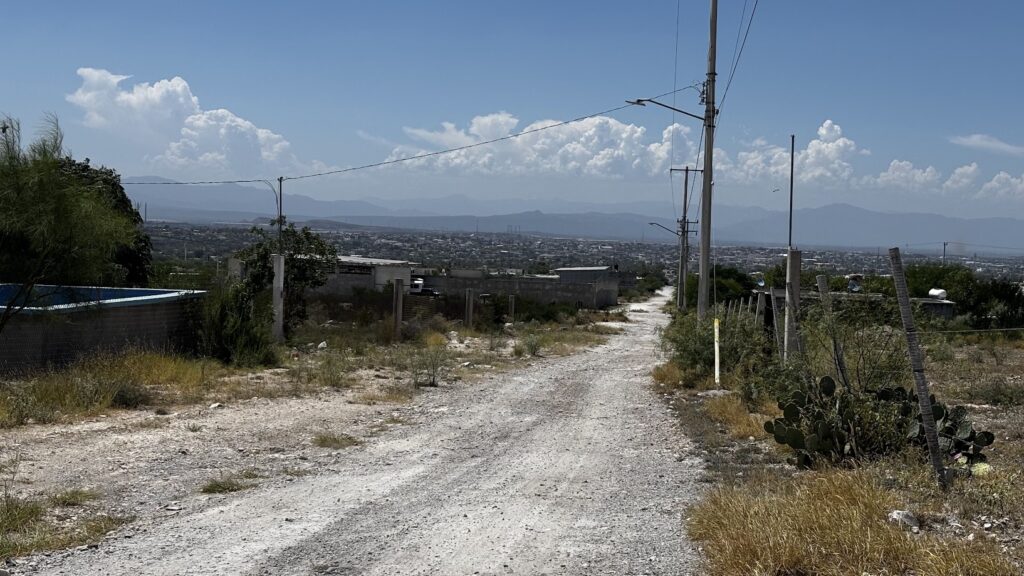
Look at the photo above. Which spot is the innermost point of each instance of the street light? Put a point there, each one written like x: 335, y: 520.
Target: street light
x: 703, y: 287
x: 644, y: 101
x: 665, y: 228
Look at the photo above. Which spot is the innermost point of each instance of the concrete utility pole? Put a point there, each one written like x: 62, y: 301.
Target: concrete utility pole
x: 684, y: 239
x: 280, y: 209
x: 944, y: 244
x: 792, y: 303
x: 792, y: 161
x: 703, y: 285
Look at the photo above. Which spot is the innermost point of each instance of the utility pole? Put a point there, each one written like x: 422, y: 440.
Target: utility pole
x: 703, y: 285
x: 792, y: 161
x: 280, y: 212
x: 684, y: 238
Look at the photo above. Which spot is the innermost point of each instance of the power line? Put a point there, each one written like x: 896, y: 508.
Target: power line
x: 469, y: 146
x: 196, y: 182
x: 672, y: 136
x: 408, y: 158
x: 739, y: 55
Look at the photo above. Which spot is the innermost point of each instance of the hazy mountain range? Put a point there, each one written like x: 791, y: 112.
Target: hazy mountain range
x: 832, y: 225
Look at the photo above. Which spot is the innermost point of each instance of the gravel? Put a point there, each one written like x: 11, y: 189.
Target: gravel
x: 568, y: 465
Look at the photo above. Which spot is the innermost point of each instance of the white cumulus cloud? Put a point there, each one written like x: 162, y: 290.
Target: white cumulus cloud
x: 1003, y: 185
x: 597, y: 146
x: 961, y: 178
x: 825, y: 160
x: 903, y: 175
x: 176, y: 133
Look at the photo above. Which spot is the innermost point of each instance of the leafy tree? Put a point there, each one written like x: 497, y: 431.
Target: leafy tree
x: 306, y: 254
x: 728, y: 283
x: 54, y: 228
x: 135, y: 257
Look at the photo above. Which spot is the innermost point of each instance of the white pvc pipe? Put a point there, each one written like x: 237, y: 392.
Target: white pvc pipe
x: 718, y: 377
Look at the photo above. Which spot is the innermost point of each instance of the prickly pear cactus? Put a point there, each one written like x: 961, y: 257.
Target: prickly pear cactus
x: 820, y: 422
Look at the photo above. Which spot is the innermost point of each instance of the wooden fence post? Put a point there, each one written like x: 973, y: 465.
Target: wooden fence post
x: 917, y: 365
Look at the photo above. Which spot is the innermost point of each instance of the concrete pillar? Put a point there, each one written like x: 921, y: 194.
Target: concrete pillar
x: 469, y: 307
x: 775, y: 319
x: 278, y: 292
x: 792, y: 302
x: 235, y: 269
x: 397, y: 305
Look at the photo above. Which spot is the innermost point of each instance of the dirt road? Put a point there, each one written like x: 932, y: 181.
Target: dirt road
x: 568, y: 466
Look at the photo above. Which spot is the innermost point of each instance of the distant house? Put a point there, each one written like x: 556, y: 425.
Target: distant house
x: 349, y: 273
x: 583, y: 274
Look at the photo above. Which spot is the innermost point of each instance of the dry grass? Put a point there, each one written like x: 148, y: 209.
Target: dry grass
x: 93, y: 385
x: 223, y: 485
x: 73, y: 497
x: 834, y: 523
x: 730, y: 411
x: 391, y: 394
x: 335, y: 441
x: 668, y: 375
x: 26, y: 525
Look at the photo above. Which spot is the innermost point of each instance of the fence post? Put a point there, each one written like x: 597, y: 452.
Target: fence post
x: 924, y: 400
x: 759, y: 310
x: 469, y: 307
x: 397, y: 306
x: 837, y: 346
x: 792, y: 301
x: 512, y: 308
x: 775, y: 320
x: 278, y: 296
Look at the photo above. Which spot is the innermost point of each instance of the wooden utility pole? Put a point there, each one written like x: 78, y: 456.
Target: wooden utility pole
x: 703, y: 284
x: 924, y: 400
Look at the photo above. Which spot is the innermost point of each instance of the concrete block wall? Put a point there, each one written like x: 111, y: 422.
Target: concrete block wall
x: 37, y: 340
x: 547, y: 290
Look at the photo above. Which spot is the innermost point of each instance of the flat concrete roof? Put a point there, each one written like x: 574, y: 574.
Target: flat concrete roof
x: 372, y: 261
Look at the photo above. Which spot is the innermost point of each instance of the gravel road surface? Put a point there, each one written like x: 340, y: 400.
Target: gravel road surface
x: 570, y: 465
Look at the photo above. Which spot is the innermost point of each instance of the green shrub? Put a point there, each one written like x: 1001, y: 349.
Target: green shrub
x: 236, y: 327
x: 531, y: 345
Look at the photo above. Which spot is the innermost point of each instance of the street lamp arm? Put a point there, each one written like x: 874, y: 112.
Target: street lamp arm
x: 644, y: 101
x: 664, y: 228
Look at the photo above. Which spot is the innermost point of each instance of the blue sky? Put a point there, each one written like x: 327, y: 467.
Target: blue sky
x: 896, y: 105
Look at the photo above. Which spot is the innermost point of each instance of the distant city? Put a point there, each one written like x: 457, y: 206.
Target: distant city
x: 526, y: 253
